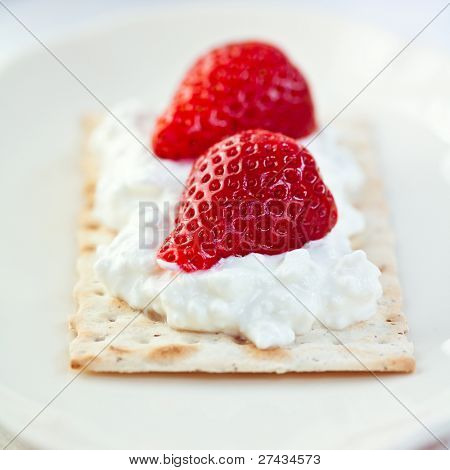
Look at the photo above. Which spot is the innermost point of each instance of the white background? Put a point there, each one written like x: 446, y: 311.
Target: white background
x: 51, y: 18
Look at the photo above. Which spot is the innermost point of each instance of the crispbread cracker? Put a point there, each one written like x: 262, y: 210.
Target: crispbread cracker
x: 149, y: 345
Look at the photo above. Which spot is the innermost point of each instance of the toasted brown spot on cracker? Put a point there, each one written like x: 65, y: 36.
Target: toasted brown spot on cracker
x: 240, y: 340
x: 74, y: 364
x: 92, y: 225
x: 276, y: 353
x: 89, y: 187
x: 393, y: 319
x: 119, y: 303
x: 119, y: 349
x: 82, y: 361
x: 88, y: 248
x: 153, y: 316
x: 171, y: 352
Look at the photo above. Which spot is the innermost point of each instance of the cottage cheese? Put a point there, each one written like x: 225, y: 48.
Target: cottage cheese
x: 128, y: 173
x: 325, y: 281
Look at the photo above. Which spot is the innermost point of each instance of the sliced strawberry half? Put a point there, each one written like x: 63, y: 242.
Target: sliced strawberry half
x: 254, y: 192
x: 239, y: 86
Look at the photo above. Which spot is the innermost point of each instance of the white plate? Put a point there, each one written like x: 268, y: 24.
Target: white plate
x: 144, y: 56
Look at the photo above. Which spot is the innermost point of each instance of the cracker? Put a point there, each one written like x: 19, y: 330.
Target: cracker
x: 149, y: 345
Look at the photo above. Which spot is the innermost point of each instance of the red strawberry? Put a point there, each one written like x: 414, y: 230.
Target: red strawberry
x: 236, y: 87
x: 254, y: 192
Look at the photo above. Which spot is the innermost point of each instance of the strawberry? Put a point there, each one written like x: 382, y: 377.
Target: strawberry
x: 239, y: 86
x: 254, y: 192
